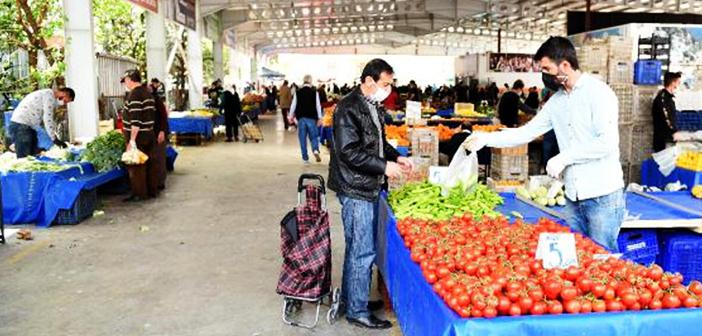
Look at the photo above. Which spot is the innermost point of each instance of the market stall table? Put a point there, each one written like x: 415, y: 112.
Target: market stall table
x: 37, y: 197
x: 181, y: 124
x: 420, y: 311
x: 651, y: 176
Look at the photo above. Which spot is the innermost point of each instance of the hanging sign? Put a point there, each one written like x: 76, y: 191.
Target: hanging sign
x: 151, y: 5
x: 185, y: 13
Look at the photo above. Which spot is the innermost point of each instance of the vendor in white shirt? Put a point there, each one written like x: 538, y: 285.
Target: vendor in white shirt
x: 584, y: 115
x: 36, y: 111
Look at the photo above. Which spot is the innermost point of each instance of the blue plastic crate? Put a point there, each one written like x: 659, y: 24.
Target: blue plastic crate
x: 639, y: 245
x: 681, y: 251
x: 82, y: 209
x: 403, y: 150
x: 647, y: 72
x: 689, y: 120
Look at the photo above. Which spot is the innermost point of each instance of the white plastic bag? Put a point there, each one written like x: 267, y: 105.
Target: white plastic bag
x: 462, y: 170
x: 134, y: 157
x: 666, y: 159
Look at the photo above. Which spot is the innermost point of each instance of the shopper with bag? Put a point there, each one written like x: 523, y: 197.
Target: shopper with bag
x: 139, y: 120
x: 360, y: 159
x: 583, y: 113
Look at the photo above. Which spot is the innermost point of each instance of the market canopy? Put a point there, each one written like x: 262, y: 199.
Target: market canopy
x: 408, y: 26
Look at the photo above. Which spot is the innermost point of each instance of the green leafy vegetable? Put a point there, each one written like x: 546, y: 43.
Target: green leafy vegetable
x: 105, y: 151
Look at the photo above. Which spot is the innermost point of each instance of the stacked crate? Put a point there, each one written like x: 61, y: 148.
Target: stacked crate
x: 610, y: 59
x: 425, y: 144
x: 593, y: 59
x: 635, y: 127
x: 510, y: 164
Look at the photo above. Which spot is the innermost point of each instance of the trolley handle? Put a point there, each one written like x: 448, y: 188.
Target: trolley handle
x: 303, y: 177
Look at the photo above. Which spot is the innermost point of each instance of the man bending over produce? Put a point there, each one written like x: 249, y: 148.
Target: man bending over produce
x: 583, y: 113
x: 360, y: 159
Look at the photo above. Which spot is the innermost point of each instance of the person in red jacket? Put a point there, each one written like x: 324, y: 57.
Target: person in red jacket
x: 390, y: 102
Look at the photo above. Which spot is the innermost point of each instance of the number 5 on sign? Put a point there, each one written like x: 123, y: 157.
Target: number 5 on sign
x: 557, y: 250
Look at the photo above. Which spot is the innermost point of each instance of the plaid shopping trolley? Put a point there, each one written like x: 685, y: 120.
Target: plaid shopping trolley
x: 306, y: 250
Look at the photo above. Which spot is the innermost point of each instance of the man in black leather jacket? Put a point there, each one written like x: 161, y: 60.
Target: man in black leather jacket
x: 663, y: 111
x: 360, y: 159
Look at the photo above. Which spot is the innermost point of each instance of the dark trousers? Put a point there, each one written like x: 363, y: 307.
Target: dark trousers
x: 231, y: 125
x: 160, y: 161
x: 285, y: 117
x: 144, y: 178
x: 25, y: 139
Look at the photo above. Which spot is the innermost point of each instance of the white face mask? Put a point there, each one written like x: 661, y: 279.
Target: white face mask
x: 60, y: 102
x: 381, y: 94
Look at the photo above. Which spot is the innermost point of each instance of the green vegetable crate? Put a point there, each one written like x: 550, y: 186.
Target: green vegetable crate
x: 81, y: 210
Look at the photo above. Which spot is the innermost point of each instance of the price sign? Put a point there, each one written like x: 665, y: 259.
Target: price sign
x: 436, y: 174
x: 557, y: 250
x: 413, y: 110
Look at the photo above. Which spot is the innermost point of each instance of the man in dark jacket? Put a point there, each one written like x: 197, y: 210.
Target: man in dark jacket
x: 511, y: 103
x: 307, y: 110
x: 232, y: 110
x: 360, y: 159
x: 663, y: 111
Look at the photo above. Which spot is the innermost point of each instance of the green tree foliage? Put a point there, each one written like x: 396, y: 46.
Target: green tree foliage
x: 120, y: 29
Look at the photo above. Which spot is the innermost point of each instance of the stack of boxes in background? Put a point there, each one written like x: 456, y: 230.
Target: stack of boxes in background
x: 612, y: 61
x: 509, y: 168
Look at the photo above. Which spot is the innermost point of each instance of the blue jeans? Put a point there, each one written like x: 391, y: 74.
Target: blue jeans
x: 307, y: 128
x: 25, y: 139
x: 359, y: 233
x: 598, y: 218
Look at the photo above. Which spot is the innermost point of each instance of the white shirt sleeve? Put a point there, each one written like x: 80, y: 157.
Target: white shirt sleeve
x: 605, y: 131
x: 293, y: 105
x: 319, y: 106
x: 512, y: 137
x: 49, y: 104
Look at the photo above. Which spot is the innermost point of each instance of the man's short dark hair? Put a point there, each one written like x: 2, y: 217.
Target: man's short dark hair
x: 558, y: 49
x: 374, y: 68
x: 285, y: 82
x: 670, y: 77
x: 133, y: 75
x: 155, y: 80
x: 518, y: 84
x: 69, y: 92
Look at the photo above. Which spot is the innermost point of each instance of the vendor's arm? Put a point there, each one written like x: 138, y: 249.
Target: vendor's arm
x: 349, y: 146
x: 669, y: 114
x: 319, y: 107
x: 604, y: 133
x: 48, y: 106
x: 512, y: 137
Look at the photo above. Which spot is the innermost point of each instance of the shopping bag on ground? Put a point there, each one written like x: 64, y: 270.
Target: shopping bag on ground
x: 134, y: 157
x: 463, y: 171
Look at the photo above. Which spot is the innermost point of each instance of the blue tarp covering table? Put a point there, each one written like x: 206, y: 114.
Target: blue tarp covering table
x: 653, y: 214
x: 198, y: 125
x: 421, y: 312
x: 37, y: 197
x: 652, y: 177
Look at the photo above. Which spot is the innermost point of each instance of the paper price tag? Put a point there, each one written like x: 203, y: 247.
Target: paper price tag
x: 413, y: 110
x: 557, y: 250
x: 436, y: 174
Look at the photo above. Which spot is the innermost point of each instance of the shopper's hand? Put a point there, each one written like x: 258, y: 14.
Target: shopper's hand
x: 475, y: 141
x: 291, y: 121
x: 405, y: 163
x: 319, y: 123
x: 555, y: 166
x: 393, y: 170
x: 161, y: 137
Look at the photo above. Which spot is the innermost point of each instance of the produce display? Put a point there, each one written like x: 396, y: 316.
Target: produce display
x: 690, y: 160
x: 10, y: 163
x: 252, y: 99
x: 58, y: 153
x: 539, y: 194
x: 247, y: 108
x: 487, y: 128
x: 105, y: 151
x: 399, y: 133
x: 423, y: 200
x: 487, y: 267
x: 446, y: 133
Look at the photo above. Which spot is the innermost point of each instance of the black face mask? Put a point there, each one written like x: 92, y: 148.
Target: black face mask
x: 551, y: 81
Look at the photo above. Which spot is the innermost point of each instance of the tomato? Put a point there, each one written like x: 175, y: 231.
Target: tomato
x: 690, y: 302
x: 513, y: 286
x: 681, y: 292
x: 449, y: 284
x: 489, y: 312
x: 585, y: 284
x: 514, y: 310
x: 572, y: 306
x: 613, y: 305
x: 599, y: 306
x: 503, y: 305
x: 475, y: 312
x: 676, y: 279
x: 655, y: 305
x: 670, y: 301
x: 552, y: 289
x: 471, y: 268
x: 478, y: 301
x: 525, y: 303
x: 568, y: 293
x: 598, y: 290
x: 539, y: 308
x: 555, y: 308
x: 463, y: 300
x: 430, y: 276
x: 464, y: 312
x: 585, y: 307
x: 609, y: 294
x: 629, y: 299
x: 572, y: 273
x: 635, y: 307
x: 443, y: 272
x: 536, y: 294
x: 665, y: 284
x: 645, y: 297
x: 695, y: 287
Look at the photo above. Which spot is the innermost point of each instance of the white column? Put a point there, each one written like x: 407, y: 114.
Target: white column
x: 156, y: 53
x: 81, y: 69
x: 195, y: 61
x: 218, y: 56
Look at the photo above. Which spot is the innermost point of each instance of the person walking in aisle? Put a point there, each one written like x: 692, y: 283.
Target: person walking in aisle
x: 583, y: 112
x: 232, y: 110
x: 361, y: 157
x: 161, y: 131
x: 307, y: 109
x: 285, y: 100
x: 510, y: 104
x: 139, y: 132
x: 663, y: 111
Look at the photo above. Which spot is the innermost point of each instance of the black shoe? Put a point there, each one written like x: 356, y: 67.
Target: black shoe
x: 132, y: 199
x: 375, y: 305
x: 370, y: 322
x: 229, y: 140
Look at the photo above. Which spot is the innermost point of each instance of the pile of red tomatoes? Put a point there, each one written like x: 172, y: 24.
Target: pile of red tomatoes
x: 486, y: 268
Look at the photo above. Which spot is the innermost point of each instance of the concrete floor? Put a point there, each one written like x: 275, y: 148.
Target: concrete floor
x: 203, y: 259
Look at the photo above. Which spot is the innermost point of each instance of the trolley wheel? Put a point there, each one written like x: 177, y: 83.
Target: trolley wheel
x: 332, y: 315
x: 292, y: 305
